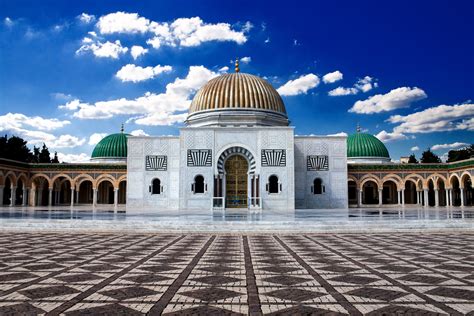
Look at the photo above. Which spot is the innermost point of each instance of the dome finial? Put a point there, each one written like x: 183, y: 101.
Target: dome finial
x: 358, y: 127
x: 237, y: 69
x: 121, y: 128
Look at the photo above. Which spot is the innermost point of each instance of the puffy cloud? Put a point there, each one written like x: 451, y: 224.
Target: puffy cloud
x: 366, y: 84
x: 95, y: 138
x: 139, y: 132
x: 137, y: 51
x: 332, y: 77
x: 415, y: 148
x: 66, y: 141
x: 342, y: 91
x: 449, y: 146
x: 395, y: 99
x: 61, y: 96
x: 153, y: 109
x: 73, y: 158
x: 223, y: 69
x: 122, y: 22
x: 103, y: 50
x: 387, y: 137
x: 246, y: 60
x: 181, y: 32
x: 436, y: 119
x: 135, y: 73
x: 300, y: 85
x: 13, y: 121
x: 247, y: 27
x: 86, y: 18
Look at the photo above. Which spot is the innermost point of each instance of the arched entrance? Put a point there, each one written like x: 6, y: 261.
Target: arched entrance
x: 456, y: 193
x: 236, y: 182
x: 352, y: 191
x: 122, y: 192
x: 410, y: 192
x: 431, y: 193
x: 389, y: 193
x: 85, y: 192
x: 441, y: 193
x: 40, y: 186
x: 105, y: 192
x: 468, y: 191
x: 370, y: 193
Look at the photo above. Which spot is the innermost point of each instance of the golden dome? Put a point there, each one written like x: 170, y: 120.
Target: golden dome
x: 238, y: 91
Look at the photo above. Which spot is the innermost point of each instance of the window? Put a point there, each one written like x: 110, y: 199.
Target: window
x: 198, y: 186
x: 318, y: 187
x: 156, y: 186
x: 273, y: 186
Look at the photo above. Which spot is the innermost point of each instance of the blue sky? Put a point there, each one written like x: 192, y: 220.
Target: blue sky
x: 402, y: 69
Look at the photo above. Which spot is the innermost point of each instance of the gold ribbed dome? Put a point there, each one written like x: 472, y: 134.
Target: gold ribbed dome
x: 237, y: 91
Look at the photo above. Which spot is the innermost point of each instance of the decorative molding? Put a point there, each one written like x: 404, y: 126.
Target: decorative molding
x: 236, y: 150
x: 156, y: 163
x: 273, y: 157
x: 199, y: 158
x: 317, y: 163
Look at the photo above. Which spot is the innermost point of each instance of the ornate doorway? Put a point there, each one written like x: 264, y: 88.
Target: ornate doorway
x: 236, y: 186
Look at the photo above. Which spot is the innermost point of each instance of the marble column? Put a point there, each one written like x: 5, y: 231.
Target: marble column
x: 359, y: 200
x: 403, y: 197
x: 25, y: 195
x: 94, y: 197
x: 447, y: 197
x: 399, y: 197
x: 436, y: 192
x: 425, y: 197
x: 72, y: 196
x: 77, y: 196
x: 32, y: 197
x: 13, y: 196
x: 1, y: 194
x: 380, y: 196
x: 462, y: 196
x: 50, y: 196
x: 116, y: 190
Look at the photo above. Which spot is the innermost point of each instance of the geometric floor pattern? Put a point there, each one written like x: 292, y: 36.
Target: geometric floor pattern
x: 255, y: 274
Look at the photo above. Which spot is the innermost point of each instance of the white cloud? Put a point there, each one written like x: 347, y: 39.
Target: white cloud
x: 332, y: 77
x: 436, y: 119
x: 415, y: 148
x: 366, y: 84
x: 137, y: 51
x: 95, y: 138
x: 12, y: 121
x: 103, y: 50
x: 122, y: 22
x: 135, y: 73
x: 66, y: 141
x: 73, y: 158
x: 395, y: 99
x: 223, y: 69
x: 139, y: 132
x: 342, y: 91
x: 61, y: 96
x: 449, y: 146
x: 300, y: 85
x: 86, y: 18
x: 387, y: 137
x: 246, y: 60
x: 247, y: 27
x: 154, y: 109
x: 339, y: 134
x: 181, y: 32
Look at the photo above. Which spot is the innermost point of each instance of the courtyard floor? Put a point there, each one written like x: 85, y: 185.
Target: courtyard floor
x: 223, y: 274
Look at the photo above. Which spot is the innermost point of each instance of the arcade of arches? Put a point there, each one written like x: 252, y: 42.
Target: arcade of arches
x: 60, y: 187
x: 433, y: 189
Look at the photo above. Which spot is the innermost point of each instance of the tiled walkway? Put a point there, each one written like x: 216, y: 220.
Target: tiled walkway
x: 122, y: 274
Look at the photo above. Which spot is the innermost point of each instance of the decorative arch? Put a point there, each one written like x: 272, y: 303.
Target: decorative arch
x: 62, y: 175
x: 23, y: 178
x: 370, y: 177
x: 81, y: 178
x: 105, y: 177
x: 12, y: 176
x: 450, y: 182
x: 463, y: 177
x: 394, y: 178
x: 239, y: 151
x: 41, y: 175
x: 435, y: 178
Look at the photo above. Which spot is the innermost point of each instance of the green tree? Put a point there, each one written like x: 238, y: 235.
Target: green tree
x: 44, y: 156
x: 429, y: 157
x: 36, y: 153
x: 55, y: 159
x: 15, y: 148
x: 412, y: 159
x: 461, y: 154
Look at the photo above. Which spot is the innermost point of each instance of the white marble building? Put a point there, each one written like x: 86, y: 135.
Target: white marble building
x: 237, y: 151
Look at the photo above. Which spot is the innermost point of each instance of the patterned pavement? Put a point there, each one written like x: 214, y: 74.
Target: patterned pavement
x: 200, y: 274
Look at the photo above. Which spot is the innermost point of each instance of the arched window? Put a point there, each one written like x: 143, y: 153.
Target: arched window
x: 318, y: 187
x: 198, y: 185
x: 273, y: 186
x: 156, y: 186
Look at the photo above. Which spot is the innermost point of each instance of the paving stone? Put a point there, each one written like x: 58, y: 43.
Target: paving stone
x: 292, y: 294
x: 128, y: 292
x: 211, y: 294
x: 50, y: 291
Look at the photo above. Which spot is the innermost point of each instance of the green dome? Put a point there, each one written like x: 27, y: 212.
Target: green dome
x: 365, y: 145
x: 112, y: 146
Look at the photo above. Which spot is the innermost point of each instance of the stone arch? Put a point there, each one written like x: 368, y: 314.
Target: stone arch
x: 390, y: 189
x: 463, y: 178
x: 81, y: 178
x: 11, y: 175
x: 451, y: 177
x: 370, y: 188
x: 467, y: 189
x: 435, y: 177
x: 370, y: 177
x: 62, y: 175
x: 395, y: 179
x: 40, y: 184
x: 41, y: 175
x: 105, y: 177
x: 410, y: 190
x: 239, y: 150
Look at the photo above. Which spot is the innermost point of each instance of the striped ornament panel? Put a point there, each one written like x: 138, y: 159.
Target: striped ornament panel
x: 273, y: 157
x: 156, y: 163
x: 318, y: 163
x: 199, y: 158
